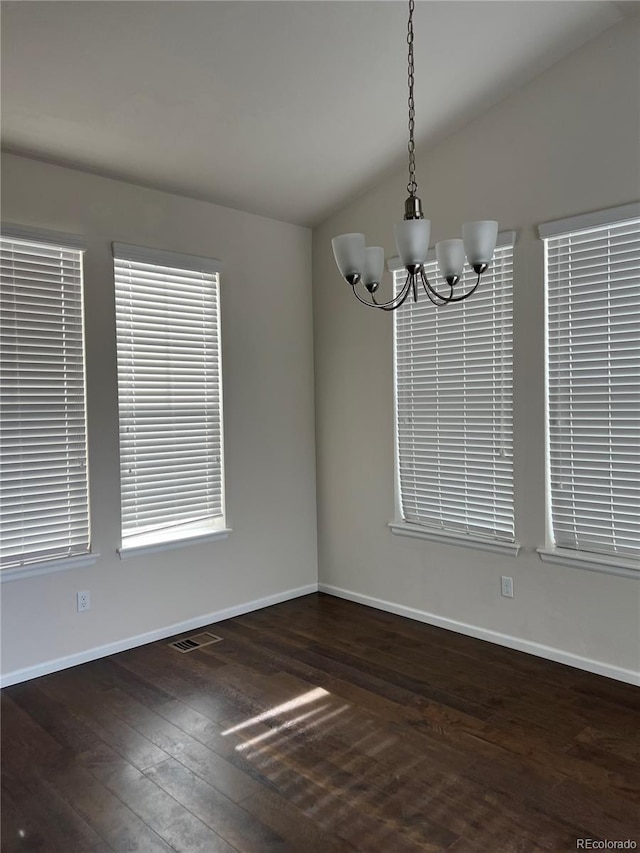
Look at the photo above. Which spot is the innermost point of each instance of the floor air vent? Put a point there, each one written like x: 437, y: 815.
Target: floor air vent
x: 189, y: 644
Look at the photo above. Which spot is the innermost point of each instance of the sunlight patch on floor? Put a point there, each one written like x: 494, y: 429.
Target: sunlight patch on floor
x: 288, y: 724
x: 285, y: 707
x: 269, y: 745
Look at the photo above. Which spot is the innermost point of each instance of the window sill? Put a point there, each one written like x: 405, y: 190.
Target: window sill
x: 31, y: 570
x: 621, y: 566
x: 142, y: 545
x: 465, y: 540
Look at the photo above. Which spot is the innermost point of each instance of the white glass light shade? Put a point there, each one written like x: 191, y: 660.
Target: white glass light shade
x: 349, y: 252
x: 480, y: 240
x: 373, y: 265
x: 450, y: 257
x: 412, y: 240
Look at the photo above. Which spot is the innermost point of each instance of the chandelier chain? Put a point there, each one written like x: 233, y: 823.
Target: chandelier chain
x: 412, y: 186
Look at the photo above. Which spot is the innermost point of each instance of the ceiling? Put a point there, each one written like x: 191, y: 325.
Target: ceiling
x: 284, y: 109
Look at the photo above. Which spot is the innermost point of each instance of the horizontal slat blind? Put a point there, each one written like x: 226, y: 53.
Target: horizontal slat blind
x: 453, y: 373
x: 169, y: 397
x: 44, y: 501
x: 593, y: 378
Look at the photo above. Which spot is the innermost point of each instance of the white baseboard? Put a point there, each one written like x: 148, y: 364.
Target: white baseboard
x: 538, y: 649
x: 57, y: 664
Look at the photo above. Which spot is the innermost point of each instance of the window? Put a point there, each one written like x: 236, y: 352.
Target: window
x: 593, y: 388
x: 169, y: 397
x: 453, y: 382
x: 44, y: 501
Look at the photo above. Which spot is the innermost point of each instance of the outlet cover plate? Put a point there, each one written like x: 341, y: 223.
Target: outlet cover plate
x: 506, y: 586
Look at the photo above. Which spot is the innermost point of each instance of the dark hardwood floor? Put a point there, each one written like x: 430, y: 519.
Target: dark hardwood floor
x: 320, y: 726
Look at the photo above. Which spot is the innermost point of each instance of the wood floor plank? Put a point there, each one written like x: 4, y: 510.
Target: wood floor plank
x: 623, y: 774
x: 106, y: 674
x: 35, y: 818
x: 105, y: 813
x: 224, y: 776
x: 622, y: 741
x: 600, y: 813
x: 424, y: 680
x: 380, y: 684
x: 237, y: 826
x: 530, y: 743
x: 92, y: 715
x: 301, y: 832
x: 320, y: 726
x: 23, y: 733
x: 182, y: 680
x: 168, y: 817
x: 424, y: 812
x: 298, y: 662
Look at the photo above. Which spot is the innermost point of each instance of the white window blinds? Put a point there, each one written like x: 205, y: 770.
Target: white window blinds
x: 169, y: 395
x: 44, y: 502
x: 593, y: 382
x: 453, y: 377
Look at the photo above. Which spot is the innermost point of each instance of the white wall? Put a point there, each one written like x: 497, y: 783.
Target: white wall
x: 567, y: 143
x: 268, y: 409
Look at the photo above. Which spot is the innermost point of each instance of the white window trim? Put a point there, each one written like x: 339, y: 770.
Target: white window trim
x: 399, y: 526
x: 149, y: 543
x: 448, y: 537
x: 587, y: 221
x: 47, y: 567
x: 162, y: 258
x: 587, y: 560
x: 592, y: 562
x: 42, y: 235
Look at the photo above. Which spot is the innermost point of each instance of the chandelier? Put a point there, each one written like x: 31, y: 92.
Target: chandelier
x: 358, y: 262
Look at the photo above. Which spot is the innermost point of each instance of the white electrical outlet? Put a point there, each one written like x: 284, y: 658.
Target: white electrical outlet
x: 84, y: 600
x: 507, y: 586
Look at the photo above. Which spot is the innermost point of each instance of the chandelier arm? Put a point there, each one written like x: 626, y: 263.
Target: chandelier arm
x: 467, y: 294
x: 386, y: 306
x: 360, y: 299
x: 404, y: 293
x: 431, y: 291
x: 431, y: 299
x: 451, y: 298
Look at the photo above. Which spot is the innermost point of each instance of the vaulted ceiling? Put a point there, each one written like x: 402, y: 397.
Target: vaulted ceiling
x: 285, y: 109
